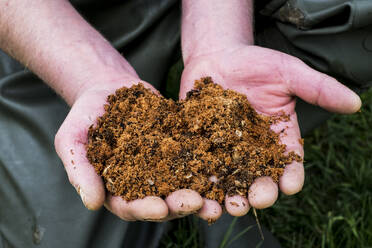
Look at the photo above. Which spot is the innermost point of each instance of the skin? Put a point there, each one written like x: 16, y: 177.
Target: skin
x: 81, y: 66
x: 56, y: 43
x: 221, y: 46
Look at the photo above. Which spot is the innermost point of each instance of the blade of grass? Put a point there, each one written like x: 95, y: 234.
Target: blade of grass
x: 228, y: 233
x: 240, y: 234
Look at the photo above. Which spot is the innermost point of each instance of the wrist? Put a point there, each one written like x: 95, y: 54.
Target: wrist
x: 102, y: 80
x: 82, y: 66
x: 212, y: 53
x: 212, y: 26
x: 60, y: 46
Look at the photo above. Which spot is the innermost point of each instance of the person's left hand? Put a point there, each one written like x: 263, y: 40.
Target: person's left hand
x: 271, y: 81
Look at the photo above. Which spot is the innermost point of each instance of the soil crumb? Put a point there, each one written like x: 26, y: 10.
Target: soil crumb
x: 146, y: 145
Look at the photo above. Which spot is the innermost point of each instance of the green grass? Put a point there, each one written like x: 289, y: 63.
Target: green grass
x: 334, y: 209
x: 183, y: 235
x: 228, y: 239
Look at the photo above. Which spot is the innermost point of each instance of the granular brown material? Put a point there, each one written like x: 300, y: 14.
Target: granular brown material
x: 145, y: 144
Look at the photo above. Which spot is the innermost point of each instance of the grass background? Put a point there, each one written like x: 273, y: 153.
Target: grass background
x: 334, y: 209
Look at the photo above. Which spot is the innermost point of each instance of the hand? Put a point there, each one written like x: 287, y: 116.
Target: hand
x: 70, y: 143
x: 271, y: 81
x: 75, y: 64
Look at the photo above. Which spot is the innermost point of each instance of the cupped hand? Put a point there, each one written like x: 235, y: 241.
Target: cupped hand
x: 70, y: 142
x: 271, y: 80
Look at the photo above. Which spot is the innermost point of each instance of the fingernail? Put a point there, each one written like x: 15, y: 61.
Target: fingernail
x: 83, y: 197
x: 211, y: 221
x: 154, y: 220
x: 185, y: 213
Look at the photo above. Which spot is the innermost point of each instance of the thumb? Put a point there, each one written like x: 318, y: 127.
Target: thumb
x: 320, y: 89
x: 196, y: 71
x: 70, y: 143
x: 188, y: 78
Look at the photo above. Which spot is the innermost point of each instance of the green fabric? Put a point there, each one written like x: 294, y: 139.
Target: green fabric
x: 333, y: 36
x: 39, y: 208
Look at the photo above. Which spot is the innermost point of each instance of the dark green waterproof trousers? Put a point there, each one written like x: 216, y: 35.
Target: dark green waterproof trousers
x: 38, y: 207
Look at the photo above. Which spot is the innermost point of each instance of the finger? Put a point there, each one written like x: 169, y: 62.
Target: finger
x: 150, y: 208
x: 72, y: 137
x: 292, y: 180
x: 289, y: 134
x: 236, y: 205
x: 263, y: 193
x: 293, y: 177
x: 70, y: 144
x: 183, y: 202
x: 80, y: 172
x: 210, y: 211
x: 192, y: 73
x: 318, y: 88
x: 118, y: 206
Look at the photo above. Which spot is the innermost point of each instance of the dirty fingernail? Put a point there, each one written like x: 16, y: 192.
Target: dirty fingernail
x: 82, y: 196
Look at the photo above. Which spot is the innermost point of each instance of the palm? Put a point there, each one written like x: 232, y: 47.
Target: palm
x: 70, y: 145
x: 271, y: 80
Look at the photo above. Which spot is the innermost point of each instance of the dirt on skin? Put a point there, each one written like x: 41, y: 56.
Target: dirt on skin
x: 147, y: 145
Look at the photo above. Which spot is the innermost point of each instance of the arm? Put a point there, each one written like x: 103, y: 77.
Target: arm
x: 217, y: 41
x: 56, y: 43
x: 211, y: 26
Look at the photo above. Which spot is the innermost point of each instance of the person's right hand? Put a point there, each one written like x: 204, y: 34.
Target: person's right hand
x: 70, y: 143
x: 58, y: 45
x: 51, y: 39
